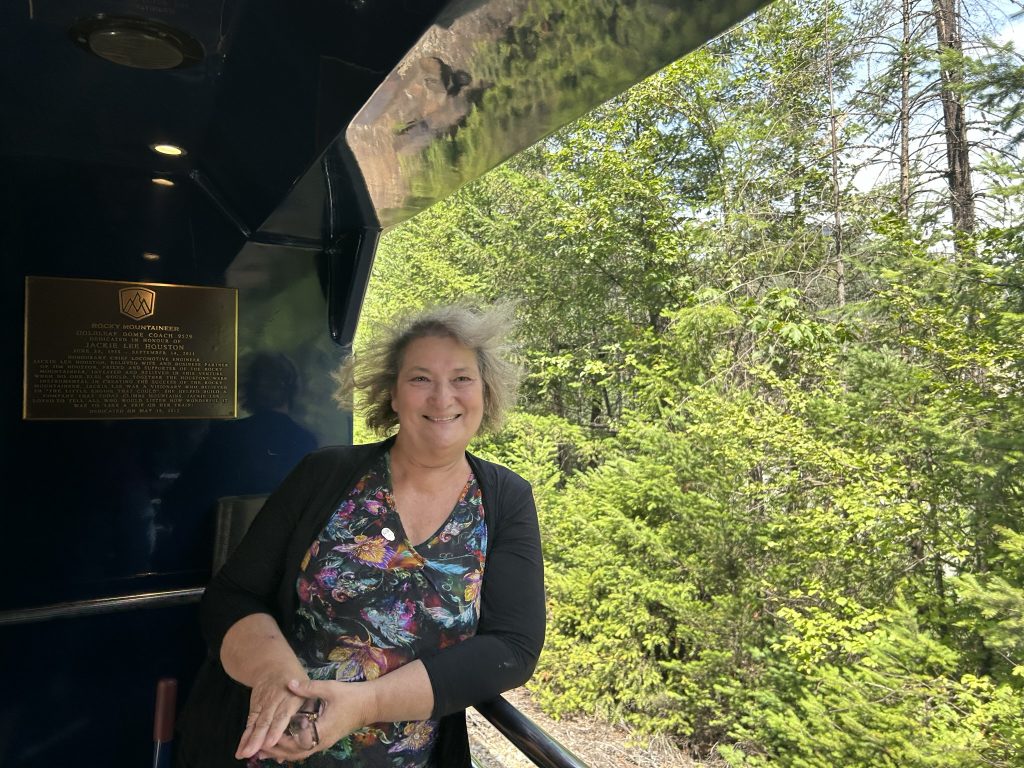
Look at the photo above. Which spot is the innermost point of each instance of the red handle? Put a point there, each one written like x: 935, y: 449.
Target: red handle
x: 166, y: 698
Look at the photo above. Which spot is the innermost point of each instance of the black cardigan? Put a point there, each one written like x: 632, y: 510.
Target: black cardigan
x: 260, y: 577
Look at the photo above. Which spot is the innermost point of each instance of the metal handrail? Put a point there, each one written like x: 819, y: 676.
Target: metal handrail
x: 528, y: 737
x: 101, y: 605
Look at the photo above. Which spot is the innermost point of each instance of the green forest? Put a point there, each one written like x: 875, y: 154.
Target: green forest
x: 771, y: 308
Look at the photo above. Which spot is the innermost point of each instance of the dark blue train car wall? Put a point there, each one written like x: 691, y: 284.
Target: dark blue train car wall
x: 191, y: 194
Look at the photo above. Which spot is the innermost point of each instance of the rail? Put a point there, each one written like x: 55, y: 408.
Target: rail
x: 528, y: 737
x: 100, y: 605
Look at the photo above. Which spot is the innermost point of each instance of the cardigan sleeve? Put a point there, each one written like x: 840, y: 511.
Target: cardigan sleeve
x: 248, y: 582
x: 504, y: 651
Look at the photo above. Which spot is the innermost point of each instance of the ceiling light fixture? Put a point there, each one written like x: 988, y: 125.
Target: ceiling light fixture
x: 168, y: 149
x: 160, y: 181
x: 150, y: 256
x: 137, y: 43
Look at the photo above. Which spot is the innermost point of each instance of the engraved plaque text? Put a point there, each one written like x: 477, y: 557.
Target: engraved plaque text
x: 97, y: 349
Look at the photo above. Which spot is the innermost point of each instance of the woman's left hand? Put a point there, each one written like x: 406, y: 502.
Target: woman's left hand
x: 347, y: 707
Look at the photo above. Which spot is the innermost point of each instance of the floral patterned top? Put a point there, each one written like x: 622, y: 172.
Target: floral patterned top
x: 369, y: 602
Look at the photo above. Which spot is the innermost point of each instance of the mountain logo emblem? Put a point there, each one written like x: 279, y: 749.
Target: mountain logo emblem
x: 137, y: 303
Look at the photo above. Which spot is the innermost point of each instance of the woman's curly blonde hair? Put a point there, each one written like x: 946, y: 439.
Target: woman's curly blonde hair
x: 374, y: 371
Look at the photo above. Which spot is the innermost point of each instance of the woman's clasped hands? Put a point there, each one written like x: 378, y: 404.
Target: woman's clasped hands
x: 327, y: 711
x: 271, y: 708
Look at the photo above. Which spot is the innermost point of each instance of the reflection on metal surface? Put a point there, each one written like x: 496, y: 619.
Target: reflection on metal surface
x: 234, y: 516
x: 101, y: 605
x: 96, y: 349
x: 218, y: 200
x: 494, y: 76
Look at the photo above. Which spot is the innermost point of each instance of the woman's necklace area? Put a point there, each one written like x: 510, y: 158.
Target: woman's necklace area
x: 421, y: 511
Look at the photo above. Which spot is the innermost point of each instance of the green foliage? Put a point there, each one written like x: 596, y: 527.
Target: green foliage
x: 892, y: 696
x: 995, y: 604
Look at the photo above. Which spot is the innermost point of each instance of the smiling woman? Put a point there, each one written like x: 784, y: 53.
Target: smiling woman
x: 376, y: 369
x: 385, y: 587
x: 438, y: 399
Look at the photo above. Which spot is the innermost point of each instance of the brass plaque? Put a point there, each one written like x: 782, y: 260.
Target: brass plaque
x: 96, y: 349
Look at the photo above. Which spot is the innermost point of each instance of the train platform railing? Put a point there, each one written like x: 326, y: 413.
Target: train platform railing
x: 526, y: 736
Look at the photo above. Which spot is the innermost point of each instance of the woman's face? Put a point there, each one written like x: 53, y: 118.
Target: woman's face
x: 439, y: 396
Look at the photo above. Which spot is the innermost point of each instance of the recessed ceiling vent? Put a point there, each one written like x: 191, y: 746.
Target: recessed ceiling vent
x: 138, y: 43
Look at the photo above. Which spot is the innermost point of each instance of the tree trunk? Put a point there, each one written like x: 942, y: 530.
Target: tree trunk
x: 905, y: 116
x: 947, y: 28
x: 837, y: 216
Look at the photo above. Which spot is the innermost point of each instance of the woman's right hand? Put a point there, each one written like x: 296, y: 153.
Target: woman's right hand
x: 271, y: 707
x: 255, y: 654
x: 344, y: 707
